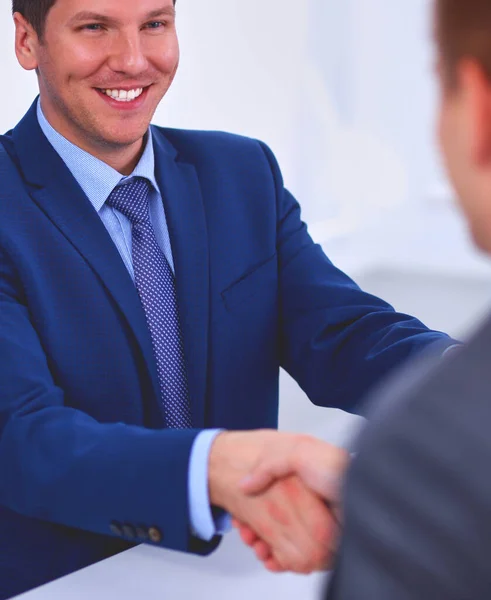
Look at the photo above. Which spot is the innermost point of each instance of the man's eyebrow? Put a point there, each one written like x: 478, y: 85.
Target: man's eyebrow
x: 100, y: 18
x: 170, y: 11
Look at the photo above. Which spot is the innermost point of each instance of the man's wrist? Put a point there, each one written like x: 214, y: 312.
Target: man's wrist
x: 216, y: 468
x: 202, y: 521
x: 232, y: 456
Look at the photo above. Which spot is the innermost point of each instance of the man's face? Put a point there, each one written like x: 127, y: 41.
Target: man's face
x: 94, y: 50
x: 465, y: 142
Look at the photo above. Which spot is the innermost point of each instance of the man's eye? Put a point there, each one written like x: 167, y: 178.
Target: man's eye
x: 93, y: 27
x: 155, y: 25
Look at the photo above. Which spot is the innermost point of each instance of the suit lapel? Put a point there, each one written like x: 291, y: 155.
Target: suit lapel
x: 181, y: 193
x: 59, y: 196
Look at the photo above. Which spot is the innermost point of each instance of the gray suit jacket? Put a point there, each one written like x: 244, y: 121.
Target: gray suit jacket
x: 418, y: 495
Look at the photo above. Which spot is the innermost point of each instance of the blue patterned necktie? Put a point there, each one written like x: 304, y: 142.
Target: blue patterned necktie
x: 156, y: 286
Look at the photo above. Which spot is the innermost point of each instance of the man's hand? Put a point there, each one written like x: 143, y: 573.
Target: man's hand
x: 318, y: 464
x: 292, y: 527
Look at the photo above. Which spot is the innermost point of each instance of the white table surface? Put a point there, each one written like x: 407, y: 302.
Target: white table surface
x: 144, y: 572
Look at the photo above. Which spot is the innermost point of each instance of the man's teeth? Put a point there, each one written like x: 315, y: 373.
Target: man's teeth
x: 123, y: 95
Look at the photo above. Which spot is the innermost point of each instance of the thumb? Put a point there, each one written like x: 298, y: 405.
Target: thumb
x: 323, y: 481
x: 263, y: 476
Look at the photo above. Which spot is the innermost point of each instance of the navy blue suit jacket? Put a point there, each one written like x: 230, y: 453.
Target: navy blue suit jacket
x: 82, y: 445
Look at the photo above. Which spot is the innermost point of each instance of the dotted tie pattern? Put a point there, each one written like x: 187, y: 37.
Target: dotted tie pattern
x: 156, y: 286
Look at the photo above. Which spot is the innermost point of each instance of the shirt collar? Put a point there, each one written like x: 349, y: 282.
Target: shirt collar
x: 96, y: 178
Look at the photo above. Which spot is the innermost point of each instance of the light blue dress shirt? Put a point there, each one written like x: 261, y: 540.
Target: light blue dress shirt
x: 97, y: 179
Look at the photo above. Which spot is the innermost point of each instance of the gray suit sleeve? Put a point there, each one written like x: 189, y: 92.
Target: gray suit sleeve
x: 418, y: 495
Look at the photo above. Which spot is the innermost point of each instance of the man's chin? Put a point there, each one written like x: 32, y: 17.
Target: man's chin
x: 121, y: 140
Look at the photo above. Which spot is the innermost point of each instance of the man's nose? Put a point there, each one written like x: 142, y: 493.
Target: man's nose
x: 127, y: 55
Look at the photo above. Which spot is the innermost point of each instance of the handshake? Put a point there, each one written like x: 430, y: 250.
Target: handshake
x: 282, y: 491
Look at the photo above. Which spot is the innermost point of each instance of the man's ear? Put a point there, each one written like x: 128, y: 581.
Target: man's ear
x: 26, y: 43
x: 475, y: 87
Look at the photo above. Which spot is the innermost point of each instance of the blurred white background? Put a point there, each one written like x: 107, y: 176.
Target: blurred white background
x: 343, y: 92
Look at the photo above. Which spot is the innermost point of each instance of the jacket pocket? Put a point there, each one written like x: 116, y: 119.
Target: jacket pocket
x: 254, y: 284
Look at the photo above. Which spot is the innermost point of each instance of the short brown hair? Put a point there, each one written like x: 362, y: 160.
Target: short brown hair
x: 463, y: 30
x: 35, y: 12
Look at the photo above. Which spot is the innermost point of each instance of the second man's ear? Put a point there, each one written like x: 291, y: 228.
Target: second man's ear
x: 475, y: 88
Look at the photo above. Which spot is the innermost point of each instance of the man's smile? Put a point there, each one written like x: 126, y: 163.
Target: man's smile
x: 123, y: 95
x: 124, y: 98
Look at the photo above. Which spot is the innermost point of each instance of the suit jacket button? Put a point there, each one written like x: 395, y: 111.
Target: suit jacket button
x: 116, y: 528
x: 129, y: 531
x: 155, y: 535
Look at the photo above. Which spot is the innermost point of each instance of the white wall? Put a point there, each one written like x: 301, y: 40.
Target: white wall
x: 342, y: 91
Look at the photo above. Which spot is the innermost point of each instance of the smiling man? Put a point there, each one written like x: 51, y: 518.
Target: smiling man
x: 152, y: 283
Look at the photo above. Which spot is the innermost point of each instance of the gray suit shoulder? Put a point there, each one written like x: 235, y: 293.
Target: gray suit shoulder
x: 418, y: 495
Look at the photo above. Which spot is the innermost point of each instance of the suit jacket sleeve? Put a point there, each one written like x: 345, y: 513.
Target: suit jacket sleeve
x: 58, y: 464
x: 418, y: 495
x: 335, y: 340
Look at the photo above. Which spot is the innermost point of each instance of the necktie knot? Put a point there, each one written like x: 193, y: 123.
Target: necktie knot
x: 131, y: 199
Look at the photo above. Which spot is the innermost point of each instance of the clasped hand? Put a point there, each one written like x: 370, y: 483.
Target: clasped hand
x: 282, y: 491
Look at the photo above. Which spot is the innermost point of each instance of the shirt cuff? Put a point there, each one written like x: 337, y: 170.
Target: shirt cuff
x: 205, y: 522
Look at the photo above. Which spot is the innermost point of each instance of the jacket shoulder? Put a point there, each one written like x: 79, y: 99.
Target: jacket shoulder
x: 7, y: 145
x: 198, y: 143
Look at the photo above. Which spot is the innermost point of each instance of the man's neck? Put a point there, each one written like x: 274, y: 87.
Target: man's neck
x: 121, y: 158
x: 124, y: 160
